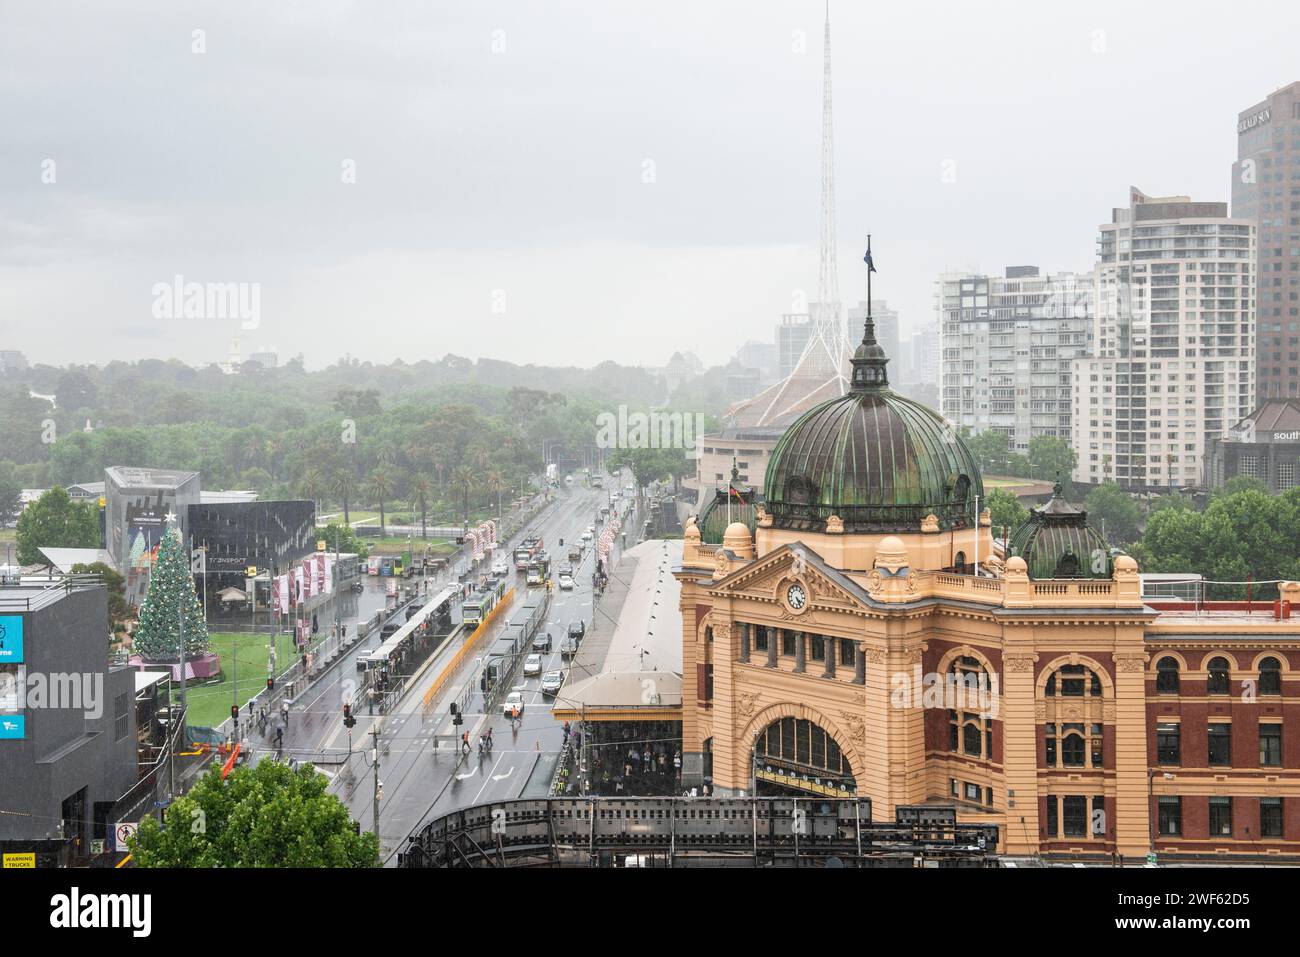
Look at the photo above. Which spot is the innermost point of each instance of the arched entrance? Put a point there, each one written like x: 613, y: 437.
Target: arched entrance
x: 797, y: 757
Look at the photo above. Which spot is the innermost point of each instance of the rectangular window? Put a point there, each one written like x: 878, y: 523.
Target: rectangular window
x: 1170, y: 816
x: 817, y: 647
x: 1099, y: 815
x: 1075, y: 808
x: 973, y: 792
x: 1220, y: 745
x: 1050, y: 751
x: 846, y: 652
x: 1167, y: 743
x: 1270, y: 817
x: 760, y: 638
x: 1220, y: 817
x: 787, y: 643
x: 1052, y: 827
x: 1270, y: 745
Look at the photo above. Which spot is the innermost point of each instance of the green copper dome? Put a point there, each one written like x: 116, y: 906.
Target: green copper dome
x: 880, y: 462
x: 1056, y: 541
x: 736, y: 502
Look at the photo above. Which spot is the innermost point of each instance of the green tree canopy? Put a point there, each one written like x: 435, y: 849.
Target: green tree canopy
x: 1050, y: 457
x: 342, y: 535
x: 1240, y: 535
x: 1006, y: 510
x: 1111, y: 507
x: 55, y: 521
x: 119, y: 609
x: 265, y: 816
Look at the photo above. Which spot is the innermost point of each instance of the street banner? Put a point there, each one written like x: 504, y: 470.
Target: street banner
x: 298, y: 596
x: 329, y: 574
x: 320, y: 574
x: 284, y: 593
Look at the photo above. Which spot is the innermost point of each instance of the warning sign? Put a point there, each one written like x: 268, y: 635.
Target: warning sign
x: 124, y: 830
x: 20, y: 862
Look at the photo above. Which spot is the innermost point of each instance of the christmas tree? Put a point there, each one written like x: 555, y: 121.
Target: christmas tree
x: 170, y: 598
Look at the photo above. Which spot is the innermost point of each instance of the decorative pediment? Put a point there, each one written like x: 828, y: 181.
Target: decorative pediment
x: 768, y: 577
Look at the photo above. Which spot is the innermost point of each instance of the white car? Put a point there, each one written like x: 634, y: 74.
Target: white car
x: 514, y: 699
x: 533, y: 665
x: 501, y: 567
x: 588, y: 535
x: 566, y: 582
x: 551, y: 682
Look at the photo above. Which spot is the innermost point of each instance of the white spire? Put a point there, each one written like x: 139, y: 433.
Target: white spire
x: 822, y: 371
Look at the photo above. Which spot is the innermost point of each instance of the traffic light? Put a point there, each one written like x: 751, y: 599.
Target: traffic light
x: 454, y: 709
x: 348, y: 720
x: 270, y: 684
x: 234, y: 713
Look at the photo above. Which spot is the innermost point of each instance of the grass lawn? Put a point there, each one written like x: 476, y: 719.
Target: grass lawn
x: 209, y: 704
x: 394, y: 545
x: 1004, y: 482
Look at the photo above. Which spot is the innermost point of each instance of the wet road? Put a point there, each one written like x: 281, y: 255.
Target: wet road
x: 421, y: 767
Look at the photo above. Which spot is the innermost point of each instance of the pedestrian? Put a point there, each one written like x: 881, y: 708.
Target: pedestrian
x: 464, y: 742
x: 284, y: 711
x: 250, y: 707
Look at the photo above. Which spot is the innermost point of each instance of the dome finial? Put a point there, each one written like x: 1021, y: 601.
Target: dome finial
x: 869, y: 360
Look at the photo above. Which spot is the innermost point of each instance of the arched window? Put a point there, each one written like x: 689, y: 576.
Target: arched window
x: 961, y: 489
x: 969, y: 724
x: 1073, y: 748
x: 1167, y: 675
x: 1067, y: 566
x: 1218, y: 681
x: 959, y: 560
x: 1076, y: 681
x: 1270, y: 676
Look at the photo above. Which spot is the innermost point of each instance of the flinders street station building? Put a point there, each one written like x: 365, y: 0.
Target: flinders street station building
x: 858, y: 632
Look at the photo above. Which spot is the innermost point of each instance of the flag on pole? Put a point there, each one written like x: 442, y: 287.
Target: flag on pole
x: 871, y: 266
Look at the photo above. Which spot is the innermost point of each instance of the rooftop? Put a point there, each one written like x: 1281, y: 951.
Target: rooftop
x: 130, y: 477
x: 636, y: 637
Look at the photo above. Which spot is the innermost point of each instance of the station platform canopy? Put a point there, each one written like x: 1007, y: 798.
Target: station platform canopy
x: 629, y: 665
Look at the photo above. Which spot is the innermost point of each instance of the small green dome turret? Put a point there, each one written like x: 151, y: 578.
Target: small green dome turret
x: 1056, y: 541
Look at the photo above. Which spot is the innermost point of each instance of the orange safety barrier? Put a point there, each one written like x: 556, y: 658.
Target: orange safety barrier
x: 230, y: 761
x: 464, y: 651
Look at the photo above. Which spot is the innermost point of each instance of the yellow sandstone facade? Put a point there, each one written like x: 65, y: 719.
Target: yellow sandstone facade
x: 866, y: 637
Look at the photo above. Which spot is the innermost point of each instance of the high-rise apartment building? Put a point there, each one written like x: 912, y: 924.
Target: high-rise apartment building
x: 1173, y: 362
x: 1007, y: 347
x: 792, y: 334
x: 1266, y: 188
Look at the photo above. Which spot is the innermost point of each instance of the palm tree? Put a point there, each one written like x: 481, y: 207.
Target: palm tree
x: 342, y: 484
x: 421, y: 488
x: 381, y: 486
x: 312, y: 485
x: 495, y: 485
x: 462, y: 480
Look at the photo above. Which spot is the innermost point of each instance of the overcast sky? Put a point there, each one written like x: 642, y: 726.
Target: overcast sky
x: 571, y: 182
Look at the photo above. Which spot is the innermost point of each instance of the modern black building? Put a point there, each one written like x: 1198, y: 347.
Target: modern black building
x: 265, y: 535
x: 68, y: 744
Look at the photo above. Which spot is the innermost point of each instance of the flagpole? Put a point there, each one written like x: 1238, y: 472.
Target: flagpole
x: 870, y: 269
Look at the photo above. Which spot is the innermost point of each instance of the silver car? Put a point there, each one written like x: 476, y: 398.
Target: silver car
x: 551, y: 682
